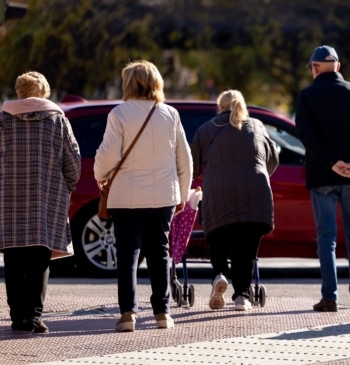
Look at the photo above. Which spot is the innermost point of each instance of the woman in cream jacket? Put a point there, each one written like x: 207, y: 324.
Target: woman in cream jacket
x: 152, y: 184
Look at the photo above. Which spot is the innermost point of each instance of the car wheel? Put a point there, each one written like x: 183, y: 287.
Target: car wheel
x: 94, y: 243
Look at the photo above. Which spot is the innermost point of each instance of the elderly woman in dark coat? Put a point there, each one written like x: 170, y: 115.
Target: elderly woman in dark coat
x: 40, y: 165
x: 238, y: 157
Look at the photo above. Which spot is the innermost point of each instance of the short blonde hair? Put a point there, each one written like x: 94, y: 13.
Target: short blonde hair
x: 233, y: 100
x: 32, y: 84
x: 142, y: 80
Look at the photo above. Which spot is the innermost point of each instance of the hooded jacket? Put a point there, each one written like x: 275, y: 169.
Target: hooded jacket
x: 39, y: 168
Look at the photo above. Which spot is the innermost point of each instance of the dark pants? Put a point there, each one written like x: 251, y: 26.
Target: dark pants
x: 26, y: 279
x: 147, y: 228
x: 239, y: 242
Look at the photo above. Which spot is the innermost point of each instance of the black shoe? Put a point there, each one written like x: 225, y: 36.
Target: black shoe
x: 326, y: 305
x: 36, y: 325
x: 19, y: 326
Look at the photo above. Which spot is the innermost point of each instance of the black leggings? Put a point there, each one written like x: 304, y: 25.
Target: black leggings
x: 240, y: 243
x: 26, y: 279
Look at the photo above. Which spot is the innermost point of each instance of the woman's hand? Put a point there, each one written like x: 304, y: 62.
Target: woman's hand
x: 179, y: 208
x: 100, y: 184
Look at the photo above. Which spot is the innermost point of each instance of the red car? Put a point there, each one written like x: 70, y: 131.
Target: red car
x: 93, y: 239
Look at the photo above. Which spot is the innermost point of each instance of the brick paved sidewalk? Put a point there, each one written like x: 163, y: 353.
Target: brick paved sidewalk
x: 81, y: 315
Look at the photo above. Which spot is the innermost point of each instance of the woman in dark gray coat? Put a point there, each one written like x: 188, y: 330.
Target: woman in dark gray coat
x: 238, y: 158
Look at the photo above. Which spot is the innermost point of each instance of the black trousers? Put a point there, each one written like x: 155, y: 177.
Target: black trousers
x: 147, y: 228
x: 26, y: 279
x: 240, y: 243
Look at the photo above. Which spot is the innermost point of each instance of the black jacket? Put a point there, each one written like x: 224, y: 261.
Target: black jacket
x: 323, y: 124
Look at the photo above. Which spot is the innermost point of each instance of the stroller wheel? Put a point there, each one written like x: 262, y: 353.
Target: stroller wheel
x: 262, y: 295
x: 178, y: 294
x: 191, y: 295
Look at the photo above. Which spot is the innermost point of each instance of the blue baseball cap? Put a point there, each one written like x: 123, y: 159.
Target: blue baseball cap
x: 323, y: 54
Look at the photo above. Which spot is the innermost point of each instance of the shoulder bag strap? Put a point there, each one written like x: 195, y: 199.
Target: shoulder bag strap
x: 109, y: 182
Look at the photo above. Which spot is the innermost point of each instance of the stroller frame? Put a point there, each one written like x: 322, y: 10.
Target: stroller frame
x: 184, y: 294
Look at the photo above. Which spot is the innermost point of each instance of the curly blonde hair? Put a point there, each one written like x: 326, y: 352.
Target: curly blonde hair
x: 233, y: 100
x: 142, y: 80
x: 32, y: 84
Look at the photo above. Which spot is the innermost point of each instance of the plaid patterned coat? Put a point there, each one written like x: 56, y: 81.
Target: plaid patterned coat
x: 39, y: 167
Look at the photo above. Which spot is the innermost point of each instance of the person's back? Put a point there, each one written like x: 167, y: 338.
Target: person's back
x: 147, y: 179
x: 323, y: 127
x: 327, y: 101
x: 151, y: 186
x: 235, y: 173
x: 238, y: 156
x: 40, y: 165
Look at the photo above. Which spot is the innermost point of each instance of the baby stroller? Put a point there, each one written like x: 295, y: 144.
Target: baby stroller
x: 180, y: 232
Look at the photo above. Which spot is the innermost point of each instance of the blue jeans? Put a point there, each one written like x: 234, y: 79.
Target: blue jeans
x: 146, y: 228
x: 324, y: 202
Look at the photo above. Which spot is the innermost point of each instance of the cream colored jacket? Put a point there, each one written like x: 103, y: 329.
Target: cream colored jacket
x: 158, y: 170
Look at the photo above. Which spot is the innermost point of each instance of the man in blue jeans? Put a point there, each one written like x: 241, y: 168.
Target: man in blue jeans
x: 323, y: 124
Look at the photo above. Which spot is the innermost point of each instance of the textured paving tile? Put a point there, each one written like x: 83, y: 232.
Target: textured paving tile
x: 81, y: 315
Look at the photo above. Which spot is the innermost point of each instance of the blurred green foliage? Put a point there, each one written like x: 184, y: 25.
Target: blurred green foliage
x: 201, y: 47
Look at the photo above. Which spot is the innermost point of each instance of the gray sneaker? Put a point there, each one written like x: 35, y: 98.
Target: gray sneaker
x: 217, y: 300
x: 242, y: 304
x: 126, y: 322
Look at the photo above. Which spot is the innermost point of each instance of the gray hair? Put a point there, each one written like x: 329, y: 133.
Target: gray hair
x: 32, y: 84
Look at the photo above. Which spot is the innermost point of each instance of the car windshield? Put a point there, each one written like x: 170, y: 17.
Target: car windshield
x: 285, y: 140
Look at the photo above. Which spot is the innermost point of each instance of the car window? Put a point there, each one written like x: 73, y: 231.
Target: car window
x: 89, y: 131
x: 291, y: 149
x: 192, y: 119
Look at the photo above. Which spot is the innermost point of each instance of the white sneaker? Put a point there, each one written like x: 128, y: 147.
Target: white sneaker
x: 217, y: 300
x: 242, y: 304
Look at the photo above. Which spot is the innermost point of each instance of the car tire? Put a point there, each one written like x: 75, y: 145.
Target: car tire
x: 95, y: 252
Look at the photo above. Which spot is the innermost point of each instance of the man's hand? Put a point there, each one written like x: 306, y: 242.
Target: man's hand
x: 342, y: 168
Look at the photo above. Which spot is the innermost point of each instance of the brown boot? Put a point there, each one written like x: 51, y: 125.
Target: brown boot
x: 326, y: 305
